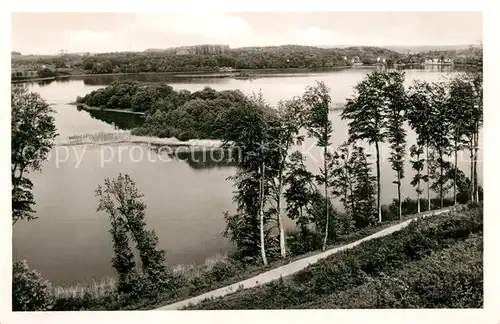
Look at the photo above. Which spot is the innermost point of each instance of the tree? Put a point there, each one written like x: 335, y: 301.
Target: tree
x: 394, y: 123
x: 363, y: 189
x: 316, y: 213
x: 477, y: 81
x: 283, y: 134
x: 33, y: 132
x: 365, y: 112
x: 341, y: 180
x: 419, y: 117
x: 461, y: 101
x: 120, y: 198
x: 417, y: 164
x: 440, y: 128
x: 248, y: 129
x: 30, y: 292
x: 317, y: 99
x: 300, y: 188
x: 242, y: 228
x: 440, y: 174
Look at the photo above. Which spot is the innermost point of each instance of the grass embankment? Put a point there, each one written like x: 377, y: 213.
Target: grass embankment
x: 215, y: 273
x: 434, y: 262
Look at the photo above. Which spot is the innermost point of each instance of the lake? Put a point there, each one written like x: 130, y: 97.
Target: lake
x: 185, y: 197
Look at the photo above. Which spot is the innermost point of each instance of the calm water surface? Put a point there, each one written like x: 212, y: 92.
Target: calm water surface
x: 70, y: 241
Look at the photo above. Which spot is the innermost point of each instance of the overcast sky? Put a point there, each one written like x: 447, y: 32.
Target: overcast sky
x: 46, y: 33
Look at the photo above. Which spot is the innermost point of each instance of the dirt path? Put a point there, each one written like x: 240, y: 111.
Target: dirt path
x: 293, y: 267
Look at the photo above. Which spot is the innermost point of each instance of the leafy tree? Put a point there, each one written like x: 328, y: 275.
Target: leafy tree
x: 317, y: 99
x: 363, y: 189
x: 440, y: 128
x: 33, y: 132
x: 30, y: 292
x: 477, y: 81
x: 283, y: 134
x: 316, y: 211
x: 417, y: 164
x: 461, y: 101
x: 300, y: 188
x: 394, y: 122
x: 120, y: 198
x: 419, y: 117
x: 365, y: 112
x: 342, y: 179
x: 248, y: 128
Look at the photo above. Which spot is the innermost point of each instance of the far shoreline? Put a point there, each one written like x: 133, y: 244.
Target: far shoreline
x: 249, y: 74
x: 202, y: 74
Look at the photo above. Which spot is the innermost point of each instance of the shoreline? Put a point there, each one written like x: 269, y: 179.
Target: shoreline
x: 81, y: 106
x: 258, y: 73
x: 195, y: 74
x: 58, y: 77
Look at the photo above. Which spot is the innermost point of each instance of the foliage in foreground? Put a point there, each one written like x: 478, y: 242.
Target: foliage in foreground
x: 451, y: 278
x: 369, y: 261
x: 30, y: 292
x: 33, y: 132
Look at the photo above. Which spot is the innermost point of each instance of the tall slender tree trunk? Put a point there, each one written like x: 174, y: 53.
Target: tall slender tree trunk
x: 261, y: 215
x: 302, y: 225
x: 379, y: 207
x: 418, y: 186
x: 441, y: 184
x: 348, y: 193
x: 428, y: 180
x: 399, y: 195
x: 471, y: 154
x: 455, y: 179
x: 280, y: 219
x: 456, y: 167
x: 418, y: 198
x: 326, y: 197
x: 476, y: 148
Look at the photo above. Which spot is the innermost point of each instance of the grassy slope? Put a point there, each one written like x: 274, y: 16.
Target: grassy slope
x: 254, y: 270
x: 411, y: 256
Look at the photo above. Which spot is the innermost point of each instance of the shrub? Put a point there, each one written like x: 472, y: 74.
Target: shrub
x: 215, y: 272
x: 30, y: 292
x: 409, y: 207
x: 108, y: 301
x: 303, y: 241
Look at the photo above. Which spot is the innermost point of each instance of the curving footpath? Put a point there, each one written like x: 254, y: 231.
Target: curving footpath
x: 293, y: 267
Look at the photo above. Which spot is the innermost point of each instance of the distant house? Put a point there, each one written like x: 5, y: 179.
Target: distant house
x: 23, y: 73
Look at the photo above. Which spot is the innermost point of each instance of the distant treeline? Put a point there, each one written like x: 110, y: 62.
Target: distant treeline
x: 472, y: 56
x: 210, y: 59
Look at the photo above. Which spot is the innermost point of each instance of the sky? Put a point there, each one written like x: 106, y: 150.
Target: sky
x: 47, y: 33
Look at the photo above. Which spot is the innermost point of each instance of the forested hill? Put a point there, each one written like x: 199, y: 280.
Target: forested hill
x: 211, y: 58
